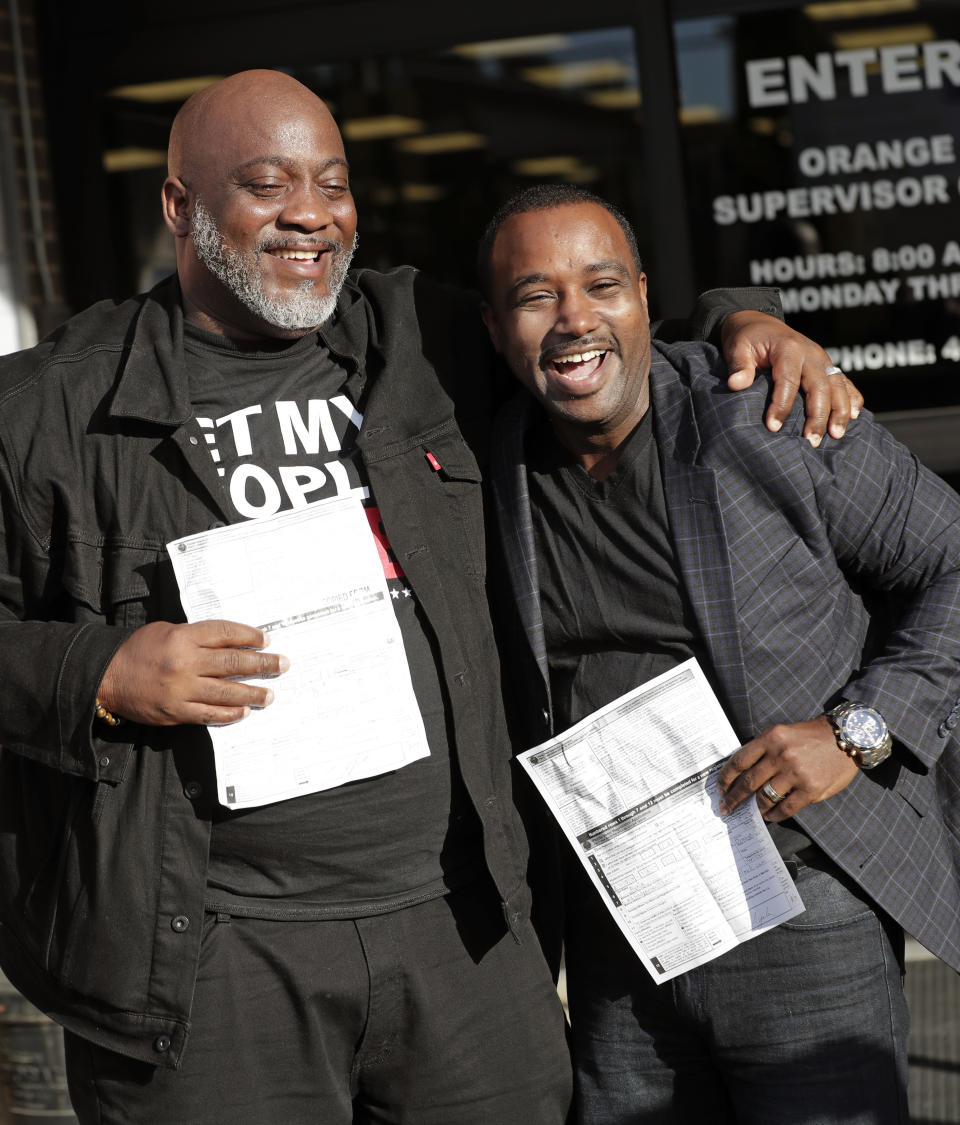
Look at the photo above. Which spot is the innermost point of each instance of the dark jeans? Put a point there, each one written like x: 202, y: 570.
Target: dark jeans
x: 433, y: 1015
x: 804, y: 1025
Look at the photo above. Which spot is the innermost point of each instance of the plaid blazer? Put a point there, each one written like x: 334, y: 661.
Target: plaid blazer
x: 815, y: 575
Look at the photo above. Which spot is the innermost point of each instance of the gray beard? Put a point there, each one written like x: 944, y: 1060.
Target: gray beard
x: 240, y: 272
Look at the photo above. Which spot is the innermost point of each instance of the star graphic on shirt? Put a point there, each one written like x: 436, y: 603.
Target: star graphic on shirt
x: 394, y: 594
x: 407, y: 592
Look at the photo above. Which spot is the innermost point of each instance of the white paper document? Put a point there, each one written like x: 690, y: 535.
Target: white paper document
x: 634, y: 787
x: 345, y: 709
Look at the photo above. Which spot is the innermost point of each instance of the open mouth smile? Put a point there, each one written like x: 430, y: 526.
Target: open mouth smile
x: 302, y: 263
x: 575, y: 372
x: 298, y: 255
x: 578, y: 365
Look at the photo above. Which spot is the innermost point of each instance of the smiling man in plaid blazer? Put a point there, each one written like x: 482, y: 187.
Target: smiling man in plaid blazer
x: 648, y: 515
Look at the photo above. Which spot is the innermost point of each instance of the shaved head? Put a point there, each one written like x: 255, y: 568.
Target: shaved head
x: 258, y: 198
x: 248, y: 98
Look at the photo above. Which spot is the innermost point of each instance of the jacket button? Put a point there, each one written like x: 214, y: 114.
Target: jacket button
x: 943, y: 730
x: 951, y: 720
x: 194, y: 441
x: 104, y: 761
x: 192, y: 789
x: 161, y: 1043
x: 180, y: 923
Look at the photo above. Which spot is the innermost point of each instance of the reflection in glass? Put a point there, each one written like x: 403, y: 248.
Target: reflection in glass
x: 436, y: 141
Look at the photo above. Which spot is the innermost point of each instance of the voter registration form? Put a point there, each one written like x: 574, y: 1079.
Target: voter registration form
x: 346, y: 708
x: 634, y: 787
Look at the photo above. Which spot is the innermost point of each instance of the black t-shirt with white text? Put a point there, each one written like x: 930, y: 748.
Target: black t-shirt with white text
x: 281, y: 429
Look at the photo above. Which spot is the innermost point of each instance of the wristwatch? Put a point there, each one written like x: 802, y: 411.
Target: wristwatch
x: 862, y: 733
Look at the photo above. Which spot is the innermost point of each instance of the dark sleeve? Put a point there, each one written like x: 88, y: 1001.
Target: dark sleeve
x: 49, y: 669
x: 711, y: 309
x: 895, y: 529
x: 51, y: 661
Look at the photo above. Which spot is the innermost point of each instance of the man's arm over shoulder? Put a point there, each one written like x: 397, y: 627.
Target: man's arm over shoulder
x: 747, y: 325
x: 712, y: 308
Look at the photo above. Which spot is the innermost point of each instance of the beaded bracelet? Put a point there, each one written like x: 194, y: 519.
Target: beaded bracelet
x: 107, y: 716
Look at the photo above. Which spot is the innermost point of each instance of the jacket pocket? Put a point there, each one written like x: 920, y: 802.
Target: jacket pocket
x: 454, y: 496
x: 109, y: 582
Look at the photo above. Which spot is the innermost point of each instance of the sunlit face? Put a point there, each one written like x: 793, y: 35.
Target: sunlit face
x: 273, y: 224
x: 568, y: 311
x: 243, y: 272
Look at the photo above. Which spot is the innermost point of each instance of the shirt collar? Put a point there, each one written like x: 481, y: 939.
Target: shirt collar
x: 153, y: 384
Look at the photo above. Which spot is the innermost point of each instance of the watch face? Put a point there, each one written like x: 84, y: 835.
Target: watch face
x: 863, y: 728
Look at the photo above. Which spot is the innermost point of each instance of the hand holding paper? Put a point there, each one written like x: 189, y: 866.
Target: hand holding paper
x: 802, y: 762
x: 634, y: 788
x: 312, y: 578
x: 166, y: 674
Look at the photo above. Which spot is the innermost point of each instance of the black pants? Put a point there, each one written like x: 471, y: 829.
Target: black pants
x: 804, y: 1025
x: 431, y: 1015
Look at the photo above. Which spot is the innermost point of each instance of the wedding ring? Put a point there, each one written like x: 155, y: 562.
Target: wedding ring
x: 771, y: 794
x: 833, y: 371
